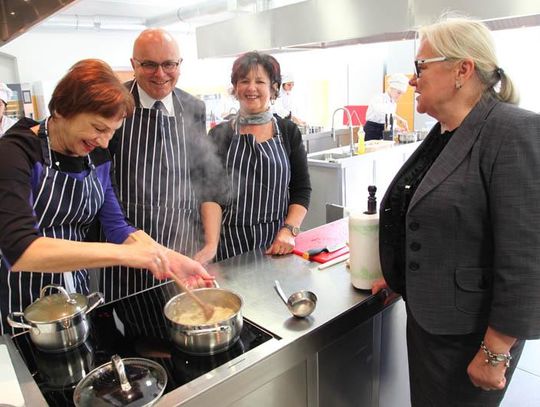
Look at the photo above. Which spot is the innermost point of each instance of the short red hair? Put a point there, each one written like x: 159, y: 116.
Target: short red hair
x: 90, y: 86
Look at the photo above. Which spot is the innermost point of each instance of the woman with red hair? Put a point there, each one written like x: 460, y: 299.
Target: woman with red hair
x: 55, y: 180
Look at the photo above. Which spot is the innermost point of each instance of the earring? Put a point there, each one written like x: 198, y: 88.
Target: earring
x: 458, y: 85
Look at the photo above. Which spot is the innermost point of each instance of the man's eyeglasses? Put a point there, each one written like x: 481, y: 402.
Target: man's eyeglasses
x: 151, y: 66
x: 418, y: 63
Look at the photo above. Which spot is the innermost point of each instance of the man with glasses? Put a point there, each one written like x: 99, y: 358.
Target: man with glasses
x: 154, y: 154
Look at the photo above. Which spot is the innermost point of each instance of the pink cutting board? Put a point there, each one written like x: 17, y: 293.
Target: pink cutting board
x: 326, y: 235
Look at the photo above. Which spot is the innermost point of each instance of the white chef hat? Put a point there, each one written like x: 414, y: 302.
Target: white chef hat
x: 5, y: 93
x: 287, y: 78
x: 398, y: 81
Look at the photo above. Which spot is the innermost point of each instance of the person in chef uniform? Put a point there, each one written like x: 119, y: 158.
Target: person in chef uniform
x: 158, y: 156
x: 265, y: 167
x: 382, y: 106
x: 5, y: 121
x: 285, y: 105
x: 55, y: 180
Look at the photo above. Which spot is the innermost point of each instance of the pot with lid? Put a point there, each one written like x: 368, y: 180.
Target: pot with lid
x: 57, y: 322
x: 122, y: 382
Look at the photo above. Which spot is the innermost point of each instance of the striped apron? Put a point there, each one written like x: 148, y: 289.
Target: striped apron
x: 155, y: 191
x: 259, y: 175
x: 64, y: 208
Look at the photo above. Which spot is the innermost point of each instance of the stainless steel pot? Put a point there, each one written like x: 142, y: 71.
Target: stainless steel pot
x: 205, y: 339
x: 57, y: 322
x: 122, y: 382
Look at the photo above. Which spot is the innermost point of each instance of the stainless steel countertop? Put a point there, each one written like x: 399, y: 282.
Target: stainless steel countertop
x: 252, y: 276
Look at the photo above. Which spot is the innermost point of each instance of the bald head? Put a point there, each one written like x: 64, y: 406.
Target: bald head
x: 158, y: 46
x: 155, y: 37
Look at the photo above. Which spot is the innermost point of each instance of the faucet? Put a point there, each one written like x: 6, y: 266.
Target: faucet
x: 333, y: 132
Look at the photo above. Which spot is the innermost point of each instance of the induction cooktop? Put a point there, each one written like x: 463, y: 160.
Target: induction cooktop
x: 131, y: 327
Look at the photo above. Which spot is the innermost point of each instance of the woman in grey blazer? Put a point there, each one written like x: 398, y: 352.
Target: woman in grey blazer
x: 460, y: 223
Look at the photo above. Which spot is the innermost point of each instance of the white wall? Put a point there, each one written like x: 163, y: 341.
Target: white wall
x: 348, y: 75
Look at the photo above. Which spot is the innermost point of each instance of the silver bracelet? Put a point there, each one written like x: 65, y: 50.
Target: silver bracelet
x: 495, y: 358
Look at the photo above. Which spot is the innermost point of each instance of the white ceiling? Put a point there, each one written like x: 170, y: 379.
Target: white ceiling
x: 181, y: 15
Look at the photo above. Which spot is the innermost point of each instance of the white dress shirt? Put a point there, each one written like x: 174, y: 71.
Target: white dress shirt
x: 148, y: 102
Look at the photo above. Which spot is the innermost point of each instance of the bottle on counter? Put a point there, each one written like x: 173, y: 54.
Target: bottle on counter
x: 364, y: 244
x: 361, y: 146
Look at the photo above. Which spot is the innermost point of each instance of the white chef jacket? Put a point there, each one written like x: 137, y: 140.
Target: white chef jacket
x: 5, y: 124
x: 379, y: 106
x: 285, y: 105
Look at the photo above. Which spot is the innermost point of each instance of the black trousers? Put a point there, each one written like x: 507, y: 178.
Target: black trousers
x: 438, y: 369
x: 373, y: 131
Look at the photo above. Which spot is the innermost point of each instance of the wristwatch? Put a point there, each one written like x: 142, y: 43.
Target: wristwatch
x: 295, y: 230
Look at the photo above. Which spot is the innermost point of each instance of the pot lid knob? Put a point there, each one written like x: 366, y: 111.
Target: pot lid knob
x: 62, y: 290
x: 121, y: 372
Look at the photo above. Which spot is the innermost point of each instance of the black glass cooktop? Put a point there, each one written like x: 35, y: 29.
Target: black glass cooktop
x: 132, y: 327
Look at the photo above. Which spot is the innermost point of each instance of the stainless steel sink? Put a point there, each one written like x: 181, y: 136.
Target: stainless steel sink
x: 329, y: 156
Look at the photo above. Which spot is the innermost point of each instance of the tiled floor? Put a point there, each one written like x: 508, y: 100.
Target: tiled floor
x: 524, y: 390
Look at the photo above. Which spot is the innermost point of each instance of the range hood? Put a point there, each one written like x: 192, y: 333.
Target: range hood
x: 17, y: 16
x: 321, y: 23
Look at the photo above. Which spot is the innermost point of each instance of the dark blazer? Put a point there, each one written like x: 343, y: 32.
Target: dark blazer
x: 472, y: 229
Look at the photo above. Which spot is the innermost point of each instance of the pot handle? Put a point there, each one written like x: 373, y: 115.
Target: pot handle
x: 99, y: 301
x: 15, y: 324
x: 195, y: 332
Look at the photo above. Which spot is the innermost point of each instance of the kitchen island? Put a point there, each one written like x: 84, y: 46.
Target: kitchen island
x: 332, y: 358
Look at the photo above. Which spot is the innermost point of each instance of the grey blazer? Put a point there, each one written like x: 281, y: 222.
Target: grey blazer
x: 472, y: 229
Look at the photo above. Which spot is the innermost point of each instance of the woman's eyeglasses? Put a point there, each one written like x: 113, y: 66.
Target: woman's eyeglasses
x: 151, y: 66
x: 418, y: 63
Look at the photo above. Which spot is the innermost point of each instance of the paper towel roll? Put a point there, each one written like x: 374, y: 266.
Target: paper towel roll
x: 364, y: 249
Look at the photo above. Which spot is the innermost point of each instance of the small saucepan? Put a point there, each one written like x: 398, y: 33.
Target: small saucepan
x: 57, y: 322
x: 301, y: 303
x: 195, y: 334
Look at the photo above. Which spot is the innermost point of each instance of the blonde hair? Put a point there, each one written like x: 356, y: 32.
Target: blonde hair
x: 460, y: 38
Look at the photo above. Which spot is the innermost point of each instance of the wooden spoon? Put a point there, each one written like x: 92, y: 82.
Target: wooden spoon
x: 207, y: 309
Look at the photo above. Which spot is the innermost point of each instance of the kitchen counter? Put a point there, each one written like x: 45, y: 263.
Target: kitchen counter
x: 340, y: 309
x: 294, y: 355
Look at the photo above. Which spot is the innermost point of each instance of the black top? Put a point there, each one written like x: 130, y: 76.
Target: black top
x: 401, y: 194
x: 300, y: 184
x: 20, y: 173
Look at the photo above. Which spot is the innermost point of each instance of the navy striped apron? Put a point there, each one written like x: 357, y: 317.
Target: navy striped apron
x: 259, y: 175
x: 64, y: 208
x: 155, y: 191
